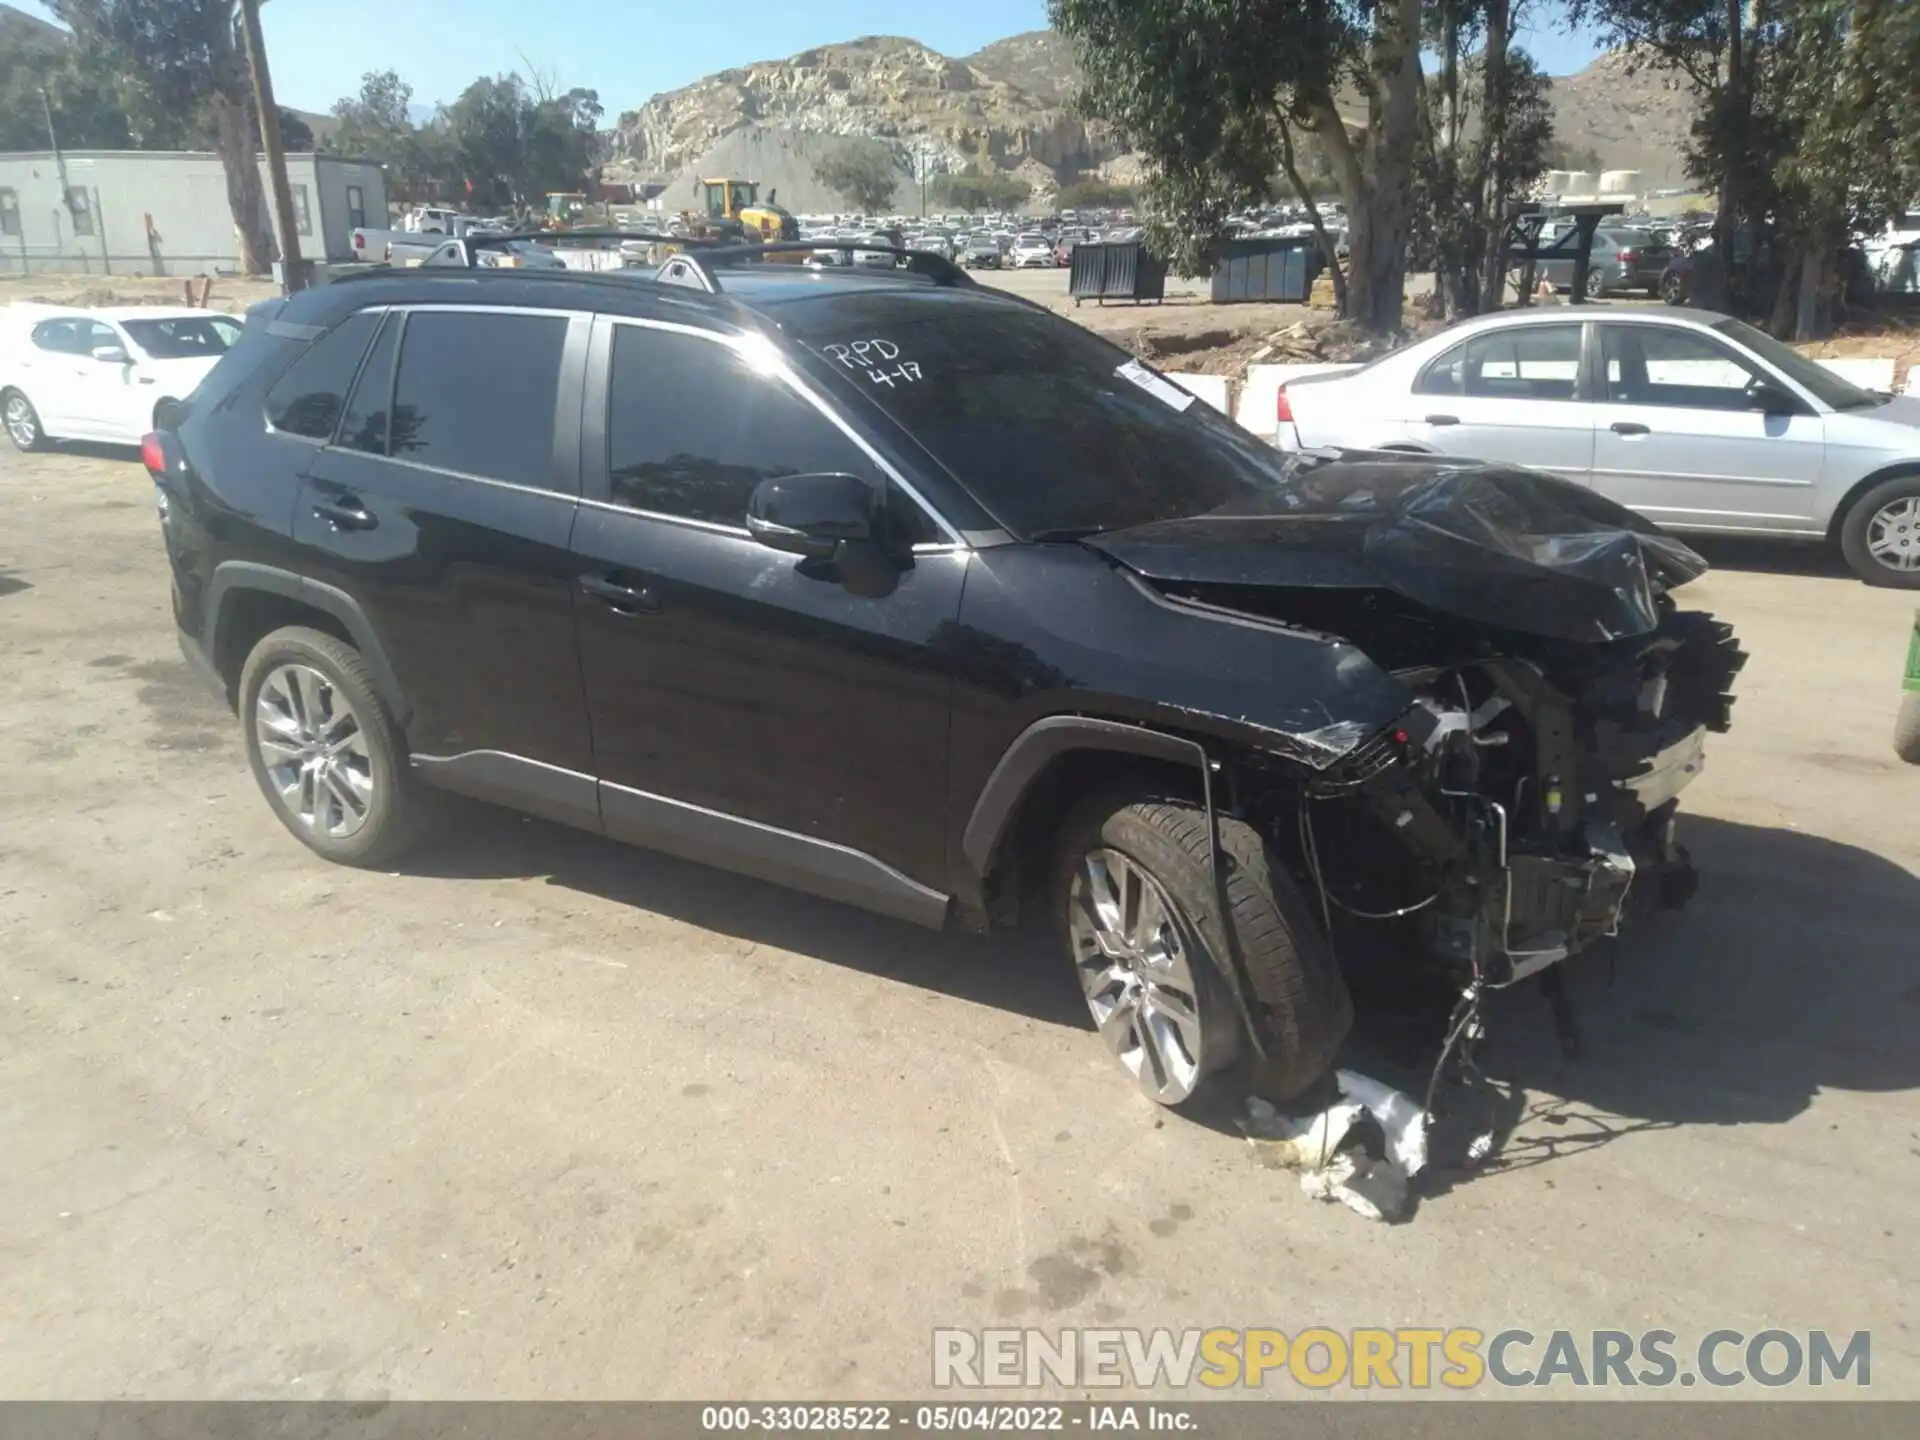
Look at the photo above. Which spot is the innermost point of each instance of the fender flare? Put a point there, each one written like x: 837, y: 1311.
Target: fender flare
x: 235, y: 577
x: 1034, y: 748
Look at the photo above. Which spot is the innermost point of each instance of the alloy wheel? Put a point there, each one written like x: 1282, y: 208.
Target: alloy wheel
x: 1131, y: 947
x: 314, y: 751
x: 22, y: 428
x: 1893, y: 534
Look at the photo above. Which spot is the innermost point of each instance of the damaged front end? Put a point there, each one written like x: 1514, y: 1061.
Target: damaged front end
x: 1522, y: 805
x: 1526, y: 802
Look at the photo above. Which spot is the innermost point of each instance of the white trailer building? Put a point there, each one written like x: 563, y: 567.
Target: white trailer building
x: 165, y: 212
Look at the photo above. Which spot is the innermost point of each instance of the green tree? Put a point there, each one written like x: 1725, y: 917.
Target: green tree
x: 1204, y: 89
x: 973, y: 189
x: 1095, y: 194
x: 183, y: 81
x: 81, y: 91
x: 865, y: 175
x: 513, y: 141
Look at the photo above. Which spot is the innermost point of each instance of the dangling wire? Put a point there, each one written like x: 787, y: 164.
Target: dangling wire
x: 1311, y: 850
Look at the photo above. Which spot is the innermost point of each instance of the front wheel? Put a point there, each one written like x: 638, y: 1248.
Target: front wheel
x: 22, y: 422
x: 1144, y: 927
x: 1880, y: 536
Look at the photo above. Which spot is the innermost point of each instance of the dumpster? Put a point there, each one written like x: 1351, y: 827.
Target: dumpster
x: 1116, y: 270
x: 1274, y: 269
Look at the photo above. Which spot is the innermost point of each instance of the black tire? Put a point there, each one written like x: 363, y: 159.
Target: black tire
x: 1596, y: 284
x: 1854, y: 528
x: 39, y: 431
x: 1906, y: 729
x: 1298, y: 989
x: 1673, y: 290
x: 395, y: 811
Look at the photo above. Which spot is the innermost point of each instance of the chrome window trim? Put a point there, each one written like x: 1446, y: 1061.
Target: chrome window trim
x: 739, y: 344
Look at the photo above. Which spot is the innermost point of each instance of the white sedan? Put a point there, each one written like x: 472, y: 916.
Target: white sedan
x: 1031, y: 251
x: 1698, y: 421
x: 101, y: 374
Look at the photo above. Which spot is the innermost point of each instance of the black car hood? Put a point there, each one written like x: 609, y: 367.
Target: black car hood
x: 1498, y: 545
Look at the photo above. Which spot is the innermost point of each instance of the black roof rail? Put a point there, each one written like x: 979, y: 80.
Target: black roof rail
x: 935, y: 267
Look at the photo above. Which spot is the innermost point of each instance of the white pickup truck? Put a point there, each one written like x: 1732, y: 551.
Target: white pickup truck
x: 419, y: 233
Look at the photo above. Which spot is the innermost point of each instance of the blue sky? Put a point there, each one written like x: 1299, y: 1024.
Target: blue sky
x: 625, y: 49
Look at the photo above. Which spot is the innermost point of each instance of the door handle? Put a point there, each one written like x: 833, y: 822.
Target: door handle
x: 621, y: 597
x: 1629, y: 427
x: 344, y: 512
x: 1443, y: 419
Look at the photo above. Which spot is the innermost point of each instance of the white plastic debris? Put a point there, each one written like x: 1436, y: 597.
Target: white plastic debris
x: 1401, y: 1121
x: 1376, y: 1189
x: 1311, y: 1144
x: 1302, y: 1142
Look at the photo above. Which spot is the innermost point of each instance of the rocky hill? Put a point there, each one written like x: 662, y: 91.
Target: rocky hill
x: 885, y: 87
x: 1006, y: 108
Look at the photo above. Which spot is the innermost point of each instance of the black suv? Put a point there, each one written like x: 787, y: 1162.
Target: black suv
x: 907, y: 592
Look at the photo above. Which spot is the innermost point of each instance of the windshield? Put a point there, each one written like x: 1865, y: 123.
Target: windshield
x: 194, y: 337
x: 1825, y: 385
x: 1054, y: 431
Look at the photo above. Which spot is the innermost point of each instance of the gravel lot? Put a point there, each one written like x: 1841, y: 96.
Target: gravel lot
x: 542, y: 1116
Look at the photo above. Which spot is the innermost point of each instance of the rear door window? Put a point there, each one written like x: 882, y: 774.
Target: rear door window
x: 1520, y: 362
x: 475, y: 394
x: 307, y: 400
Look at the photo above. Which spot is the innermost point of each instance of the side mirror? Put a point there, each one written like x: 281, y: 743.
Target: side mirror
x: 813, y: 515
x: 110, y: 354
x: 1772, y: 399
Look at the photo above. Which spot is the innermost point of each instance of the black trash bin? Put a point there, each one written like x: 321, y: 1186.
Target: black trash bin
x: 1116, y: 270
x: 1282, y: 268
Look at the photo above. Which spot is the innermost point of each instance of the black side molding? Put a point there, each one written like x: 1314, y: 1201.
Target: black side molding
x: 231, y: 576
x: 766, y: 852
x: 549, y: 791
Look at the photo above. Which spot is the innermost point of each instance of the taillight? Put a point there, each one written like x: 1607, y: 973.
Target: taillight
x: 153, y: 455
x: 1627, y: 257
x: 1282, y: 406
x: 359, y: 241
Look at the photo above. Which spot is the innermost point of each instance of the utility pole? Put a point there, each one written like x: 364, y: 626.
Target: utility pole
x: 292, y: 271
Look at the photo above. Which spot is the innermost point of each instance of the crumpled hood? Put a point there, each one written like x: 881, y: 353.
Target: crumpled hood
x: 1496, y: 544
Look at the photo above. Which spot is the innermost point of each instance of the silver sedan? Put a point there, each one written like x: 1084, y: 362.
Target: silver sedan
x: 1696, y: 420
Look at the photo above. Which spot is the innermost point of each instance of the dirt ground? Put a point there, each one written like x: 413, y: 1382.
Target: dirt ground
x: 537, y: 1115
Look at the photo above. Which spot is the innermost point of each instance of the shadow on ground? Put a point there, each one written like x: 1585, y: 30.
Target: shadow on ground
x: 1795, y: 968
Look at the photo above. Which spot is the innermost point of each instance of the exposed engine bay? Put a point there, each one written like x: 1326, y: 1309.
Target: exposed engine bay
x: 1521, y: 807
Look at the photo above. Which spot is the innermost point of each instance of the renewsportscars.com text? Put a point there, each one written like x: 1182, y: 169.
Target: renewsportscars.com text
x: 1457, y: 1358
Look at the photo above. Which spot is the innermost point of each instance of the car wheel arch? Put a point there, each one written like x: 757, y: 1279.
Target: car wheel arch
x: 1900, y: 469
x: 246, y: 601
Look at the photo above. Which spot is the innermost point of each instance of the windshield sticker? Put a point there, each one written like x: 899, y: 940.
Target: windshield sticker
x: 1162, y: 390
x: 878, y: 360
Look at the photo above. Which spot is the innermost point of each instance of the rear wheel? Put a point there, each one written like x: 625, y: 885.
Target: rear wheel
x: 1144, y: 927
x: 325, y: 752
x: 1673, y: 290
x: 22, y: 421
x: 1880, y: 536
x: 1596, y: 284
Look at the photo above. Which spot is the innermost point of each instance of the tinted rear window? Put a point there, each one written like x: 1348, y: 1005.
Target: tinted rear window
x: 475, y: 393
x: 1034, y: 415
x: 307, y: 400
